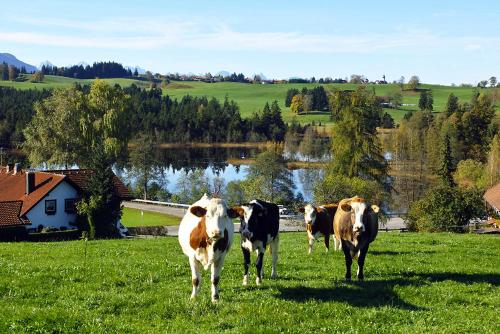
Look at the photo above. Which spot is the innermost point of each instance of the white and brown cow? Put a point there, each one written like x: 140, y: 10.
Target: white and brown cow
x: 356, y: 223
x: 205, y: 235
x: 319, y: 223
x: 259, y: 228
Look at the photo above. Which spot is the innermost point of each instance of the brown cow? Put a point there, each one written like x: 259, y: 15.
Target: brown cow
x: 319, y: 222
x: 205, y: 234
x: 356, y: 223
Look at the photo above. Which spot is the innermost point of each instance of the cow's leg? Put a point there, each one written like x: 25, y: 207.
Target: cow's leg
x: 361, y: 262
x: 310, y: 240
x: 195, y: 275
x: 216, y: 269
x: 348, y: 260
x: 274, y: 247
x: 246, y: 264
x: 338, y: 243
x: 258, y: 266
x: 327, y: 242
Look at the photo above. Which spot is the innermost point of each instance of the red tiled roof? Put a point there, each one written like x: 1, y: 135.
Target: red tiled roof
x: 492, y: 196
x: 13, y: 187
x: 79, y: 177
x: 9, y: 213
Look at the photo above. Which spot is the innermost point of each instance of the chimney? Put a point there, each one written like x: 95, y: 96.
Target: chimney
x: 30, y: 182
x: 17, y: 168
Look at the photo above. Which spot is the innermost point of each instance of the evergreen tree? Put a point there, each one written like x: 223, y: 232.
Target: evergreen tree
x: 451, y: 105
x: 5, y: 71
x: 422, y: 101
x: 101, y: 203
x: 289, y: 96
x: 356, y: 150
x: 446, y: 168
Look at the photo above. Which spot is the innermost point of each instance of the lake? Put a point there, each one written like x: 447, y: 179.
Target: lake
x: 214, y: 162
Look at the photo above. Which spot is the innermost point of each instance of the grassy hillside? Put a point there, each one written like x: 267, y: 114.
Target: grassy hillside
x: 252, y: 98
x: 52, y: 81
x: 415, y: 283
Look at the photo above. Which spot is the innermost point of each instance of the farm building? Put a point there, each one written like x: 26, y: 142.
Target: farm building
x: 42, y: 199
x: 492, y: 198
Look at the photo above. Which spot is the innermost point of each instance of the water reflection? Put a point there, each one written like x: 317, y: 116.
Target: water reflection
x: 228, y: 164
x: 214, y: 159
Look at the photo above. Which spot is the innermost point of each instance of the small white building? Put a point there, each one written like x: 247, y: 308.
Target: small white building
x: 44, y: 199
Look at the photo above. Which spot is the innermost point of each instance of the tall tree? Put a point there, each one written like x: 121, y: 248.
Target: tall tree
x: 414, y: 82
x: 100, y: 204
x: 356, y: 148
x: 70, y: 126
x: 426, y: 101
x: 289, y: 96
x: 297, y: 104
x: 446, y: 168
x: 493, y: 81
x: 451, y: 105
x: 5, y: 71
x: 144, y: 166
x: 269, y: 179
x: 493, y: 165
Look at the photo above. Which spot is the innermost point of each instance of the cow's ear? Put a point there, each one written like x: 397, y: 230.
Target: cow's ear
x: 346, y: 207
x: 302, y: 210
x: 198, y: 211
x: 375, y: 208
x: 235, y: 212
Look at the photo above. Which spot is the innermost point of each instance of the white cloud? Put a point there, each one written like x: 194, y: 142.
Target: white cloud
x: 150, y: 34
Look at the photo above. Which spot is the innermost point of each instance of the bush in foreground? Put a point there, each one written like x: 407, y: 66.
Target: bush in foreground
x: 445, y: 208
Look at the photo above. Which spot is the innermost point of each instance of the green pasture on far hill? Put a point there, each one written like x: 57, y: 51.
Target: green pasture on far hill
x: 415, y: 283
x: 252, y: 97
x: 52, y: 81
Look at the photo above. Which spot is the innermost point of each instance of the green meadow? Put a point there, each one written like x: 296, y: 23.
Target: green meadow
x: 134, y: 217
x: 252, y: 98
x: 415, y: 283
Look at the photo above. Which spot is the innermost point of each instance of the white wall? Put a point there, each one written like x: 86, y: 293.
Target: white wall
x: 37, y: 214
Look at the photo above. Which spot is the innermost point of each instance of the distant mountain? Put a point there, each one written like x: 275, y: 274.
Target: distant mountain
x: 46, y: 64
x: 133, y: 68
x: 12, y: 60
x: 224, y: 74
x: 261, y: 75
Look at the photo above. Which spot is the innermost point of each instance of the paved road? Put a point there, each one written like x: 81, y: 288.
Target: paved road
x: 286, y: 225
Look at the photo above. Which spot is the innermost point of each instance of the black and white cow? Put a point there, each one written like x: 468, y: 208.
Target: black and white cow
x: 259, y: 228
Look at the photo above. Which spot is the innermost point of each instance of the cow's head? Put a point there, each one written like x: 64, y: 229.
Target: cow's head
x: 249, y: 215
x: 217, y: 217
x: 310, y: 212
x: 359, y: 210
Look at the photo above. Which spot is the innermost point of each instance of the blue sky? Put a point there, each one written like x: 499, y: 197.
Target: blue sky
x: 441, y: 41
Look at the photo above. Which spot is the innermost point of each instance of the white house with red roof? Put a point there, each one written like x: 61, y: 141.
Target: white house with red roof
x: 38, y: 199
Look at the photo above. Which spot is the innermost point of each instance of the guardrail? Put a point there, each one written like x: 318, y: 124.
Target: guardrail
x: 174, y: 205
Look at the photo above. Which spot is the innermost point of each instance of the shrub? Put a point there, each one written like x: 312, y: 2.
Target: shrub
x: 445, y: 208
x: 335, y: 187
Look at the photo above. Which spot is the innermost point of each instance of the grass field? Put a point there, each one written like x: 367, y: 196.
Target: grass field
x: 133, y: 217
x: 52, y: 81
x: 252, y: 98
x: 415, y: 283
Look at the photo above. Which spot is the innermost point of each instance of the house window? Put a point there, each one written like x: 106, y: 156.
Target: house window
x: 50, y: 206
x: 70, y: 205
